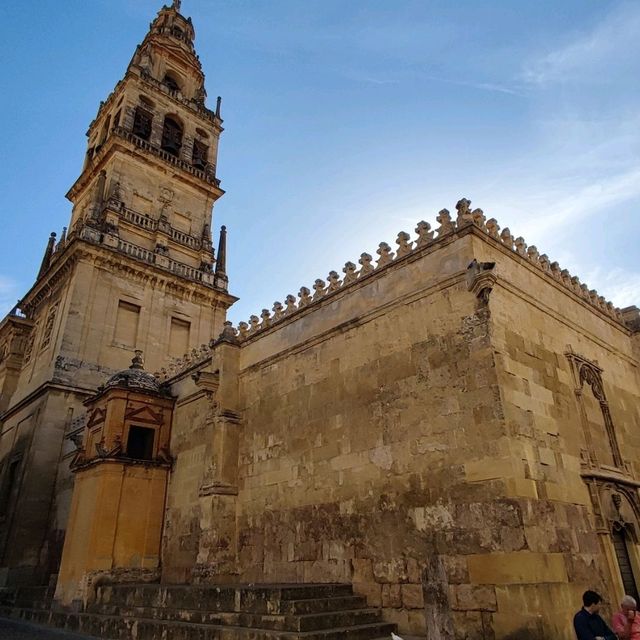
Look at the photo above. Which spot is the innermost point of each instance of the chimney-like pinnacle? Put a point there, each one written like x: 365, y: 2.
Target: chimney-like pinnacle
x: 48, y: 252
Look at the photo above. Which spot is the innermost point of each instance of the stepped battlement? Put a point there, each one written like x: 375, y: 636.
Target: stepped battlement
x: 427, y: 239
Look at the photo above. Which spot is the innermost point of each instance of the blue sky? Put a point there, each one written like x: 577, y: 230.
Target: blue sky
x: 347, y: 121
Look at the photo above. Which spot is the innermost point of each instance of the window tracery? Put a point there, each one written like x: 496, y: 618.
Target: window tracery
x: 588, y: 377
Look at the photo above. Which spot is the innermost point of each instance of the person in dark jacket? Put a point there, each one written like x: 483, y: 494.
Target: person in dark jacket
x: 588, y: 623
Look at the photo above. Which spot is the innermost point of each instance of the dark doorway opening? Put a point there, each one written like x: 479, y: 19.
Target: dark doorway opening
x: 620, y: 545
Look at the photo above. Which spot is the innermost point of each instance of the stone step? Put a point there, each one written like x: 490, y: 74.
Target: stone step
x: 287, y: 607
x: 318, y: 605
x: 251, y: 599
x: 123, y: 628
x: 278, y: 622
x: 333, y: 619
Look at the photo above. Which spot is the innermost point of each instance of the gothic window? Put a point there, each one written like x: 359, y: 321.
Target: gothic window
x: 200, y: 154
x: 142, y: 122
x: 116, y: 119
x: 171, y: 136
x: 599, y: 431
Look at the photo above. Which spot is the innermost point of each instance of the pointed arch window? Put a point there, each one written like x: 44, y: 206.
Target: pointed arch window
x: 171, y: 82
x: 200, y: 154
x: 142, y: 123
x: 599, y: 431
x: 171, y: 136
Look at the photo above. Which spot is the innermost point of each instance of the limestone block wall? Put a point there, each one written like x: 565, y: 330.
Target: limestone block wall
x: 357, y: 422
x: 535, y: 326
x: 417, y: 433
x: 190, y: 449
x: 32, y: 438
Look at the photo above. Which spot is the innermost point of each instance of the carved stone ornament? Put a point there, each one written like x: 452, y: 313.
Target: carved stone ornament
x: 586, y: 372
x: 481, y: 279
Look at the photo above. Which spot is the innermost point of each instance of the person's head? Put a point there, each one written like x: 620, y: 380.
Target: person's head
x: 591, y: 601
x: 628, y: 604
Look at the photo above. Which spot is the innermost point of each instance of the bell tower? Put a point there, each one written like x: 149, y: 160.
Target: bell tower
x: 148, y: 184
x: 136, y: 270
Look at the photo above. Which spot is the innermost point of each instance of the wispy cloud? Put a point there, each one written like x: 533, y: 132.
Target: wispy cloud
x: 571, y: 201
x: 482, y: 86
x: 586, y: 56
x: 620, y: 286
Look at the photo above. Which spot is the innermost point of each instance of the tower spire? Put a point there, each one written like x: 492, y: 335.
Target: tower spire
x: 48, y: 252
x: 221, y: 279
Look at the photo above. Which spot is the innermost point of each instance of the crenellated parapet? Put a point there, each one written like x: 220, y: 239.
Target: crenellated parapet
x: 426, y: 240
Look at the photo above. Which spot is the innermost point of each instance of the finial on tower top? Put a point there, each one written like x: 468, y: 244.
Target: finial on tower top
x: 138, y: 360
x: 176, y: 5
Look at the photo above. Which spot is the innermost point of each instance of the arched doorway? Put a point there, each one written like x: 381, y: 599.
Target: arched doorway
x: 621, y: 540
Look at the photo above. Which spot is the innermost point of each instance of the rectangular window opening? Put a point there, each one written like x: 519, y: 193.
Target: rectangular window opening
x: 126, y: 332
x: 179, y: 337
x: 140, y: 443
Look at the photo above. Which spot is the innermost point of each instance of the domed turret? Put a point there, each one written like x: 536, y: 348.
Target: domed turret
x: 135, y: 377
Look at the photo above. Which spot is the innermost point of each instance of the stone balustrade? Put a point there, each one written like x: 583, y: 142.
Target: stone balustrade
x: 208, y: 174
x: 146, y: 222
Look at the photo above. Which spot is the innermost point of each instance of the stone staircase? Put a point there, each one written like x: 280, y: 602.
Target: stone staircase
x: 194, y: 612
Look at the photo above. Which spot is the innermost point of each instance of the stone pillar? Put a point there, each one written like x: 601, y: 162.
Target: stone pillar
x: 217, y: 553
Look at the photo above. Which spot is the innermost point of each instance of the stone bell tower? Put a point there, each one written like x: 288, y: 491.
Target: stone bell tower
x: 136, y: 270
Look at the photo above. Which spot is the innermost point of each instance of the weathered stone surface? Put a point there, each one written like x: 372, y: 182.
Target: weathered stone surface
x: 451, y: 429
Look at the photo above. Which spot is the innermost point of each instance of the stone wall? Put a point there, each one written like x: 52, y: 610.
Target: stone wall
x: 547, y: 463
x: 418, y: 434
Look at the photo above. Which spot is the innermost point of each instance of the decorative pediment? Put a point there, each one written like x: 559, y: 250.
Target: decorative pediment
x: 144, y: 414
x: 96, y: 417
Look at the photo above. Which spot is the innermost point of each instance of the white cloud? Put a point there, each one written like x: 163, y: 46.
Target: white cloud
x: 621, y: 286
x: 587, y: 55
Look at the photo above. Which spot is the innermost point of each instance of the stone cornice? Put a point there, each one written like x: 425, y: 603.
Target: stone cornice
x: 23, y: 323
x: 40, y: 390
x: 347, y: 289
